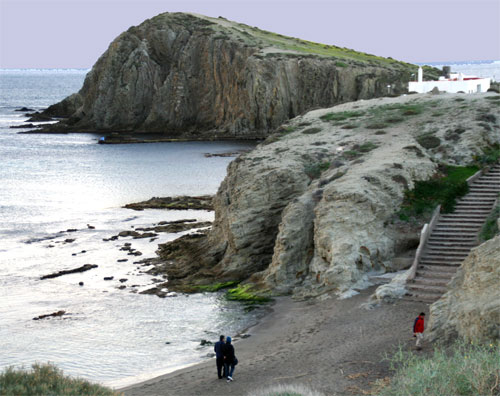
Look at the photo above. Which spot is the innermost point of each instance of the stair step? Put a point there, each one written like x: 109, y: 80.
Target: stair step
x: 435, y: 274
x: 427, y: 288
x: 447, y: 239
x: 421, y: 281
x: 437, y: 268
x: 449, y: 245
x: 423, y: 297
x: 455, y: 235
x: 450, y: 263
x: 462, y: 219
x: 447, y: 250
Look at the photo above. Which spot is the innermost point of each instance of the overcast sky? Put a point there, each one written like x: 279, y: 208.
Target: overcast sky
x: 74, y: 33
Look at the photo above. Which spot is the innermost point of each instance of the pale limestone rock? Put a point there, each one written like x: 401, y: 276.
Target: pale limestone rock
x: 471, y: 307
x: 291, y: 233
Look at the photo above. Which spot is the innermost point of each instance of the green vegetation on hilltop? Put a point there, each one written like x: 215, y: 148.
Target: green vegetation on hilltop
x: 254, y: 37
x: 443, y: 189
x: 47, y: 380
x: 462, y: 369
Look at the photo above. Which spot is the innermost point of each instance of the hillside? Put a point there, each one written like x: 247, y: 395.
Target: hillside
x: 316, y: 207
x: 190, y: 76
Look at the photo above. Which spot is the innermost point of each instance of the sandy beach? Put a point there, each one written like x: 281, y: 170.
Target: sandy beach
x: 334, y: 346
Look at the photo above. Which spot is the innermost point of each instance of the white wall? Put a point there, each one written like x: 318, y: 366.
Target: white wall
x: 467, y: 86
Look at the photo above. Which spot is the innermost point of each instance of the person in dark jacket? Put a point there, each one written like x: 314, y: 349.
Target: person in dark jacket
x: 219, y: 357
x: 229, y: 359
x: 418, y: 329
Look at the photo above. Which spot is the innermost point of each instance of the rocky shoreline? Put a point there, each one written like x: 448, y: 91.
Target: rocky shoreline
x: 202, y: 202
x: 314, y: 208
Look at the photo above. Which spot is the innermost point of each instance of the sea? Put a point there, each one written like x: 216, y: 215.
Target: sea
x: 484, y: 68
x: 52, y: 185
x: 60, y: 197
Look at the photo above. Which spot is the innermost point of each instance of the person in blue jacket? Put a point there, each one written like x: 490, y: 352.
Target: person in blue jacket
x: 219, y: 357
x: 229, y: 359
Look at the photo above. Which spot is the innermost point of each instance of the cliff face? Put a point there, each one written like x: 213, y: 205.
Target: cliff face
x: 193, y: 76
x: 471, y: 309
x: 314, y: 207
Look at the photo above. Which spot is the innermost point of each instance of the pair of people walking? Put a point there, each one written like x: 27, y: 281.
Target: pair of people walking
x: 225, y: 358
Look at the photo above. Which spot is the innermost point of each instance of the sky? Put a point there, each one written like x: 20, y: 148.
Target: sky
x: 74, y: 33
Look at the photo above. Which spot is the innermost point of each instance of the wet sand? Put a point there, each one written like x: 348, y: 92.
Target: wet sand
x: 334, y: 346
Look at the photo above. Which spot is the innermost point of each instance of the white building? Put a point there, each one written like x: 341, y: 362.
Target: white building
x: 457, y: 82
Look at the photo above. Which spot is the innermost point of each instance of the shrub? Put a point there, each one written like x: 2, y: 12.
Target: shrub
x: 462, y: 369
x: 490, y: 227
x: 341, y: 64
x: 47, y: 379
x: 428, y: 141
x: 315, y: 170
x: 311, y: 131
x: 366, y: 147
x: 490, y: 155
x: 443, y: 190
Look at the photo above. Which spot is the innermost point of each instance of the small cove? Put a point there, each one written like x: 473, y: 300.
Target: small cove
x: 55, y: 183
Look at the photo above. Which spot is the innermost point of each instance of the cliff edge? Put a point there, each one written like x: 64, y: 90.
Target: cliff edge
x: 191, y: 76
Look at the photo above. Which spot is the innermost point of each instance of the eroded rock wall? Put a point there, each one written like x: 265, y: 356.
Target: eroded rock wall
x: 471, y: 307
x: 314, y: 207
x: 194, y: 77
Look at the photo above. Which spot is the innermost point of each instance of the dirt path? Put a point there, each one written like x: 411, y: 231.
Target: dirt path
x: 334, y: 346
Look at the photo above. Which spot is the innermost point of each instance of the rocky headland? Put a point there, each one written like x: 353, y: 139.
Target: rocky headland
x: 190, y: 76
x: 314, y: 208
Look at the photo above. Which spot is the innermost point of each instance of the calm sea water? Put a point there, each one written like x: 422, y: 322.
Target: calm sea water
x: 52, y: 183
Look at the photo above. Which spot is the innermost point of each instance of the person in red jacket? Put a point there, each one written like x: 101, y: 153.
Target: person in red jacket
x: 418, y: 329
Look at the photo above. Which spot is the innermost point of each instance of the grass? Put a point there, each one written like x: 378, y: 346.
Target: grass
x: 216, y: 286
x: 315, y: 170
x: 382, y: 116
x: 441, y: 190
x: 462, y: 369
x: 47, y: 380
x: 341, y: 116
x: 243, y: 293
x: 490, y: 227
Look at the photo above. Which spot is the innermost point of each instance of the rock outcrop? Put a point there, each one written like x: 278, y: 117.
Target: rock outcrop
x: 314, y: 207
x: 191, y: 76
x: 471, y: 307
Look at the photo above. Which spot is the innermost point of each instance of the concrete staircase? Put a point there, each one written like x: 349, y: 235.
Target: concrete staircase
x: 452, y: 238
